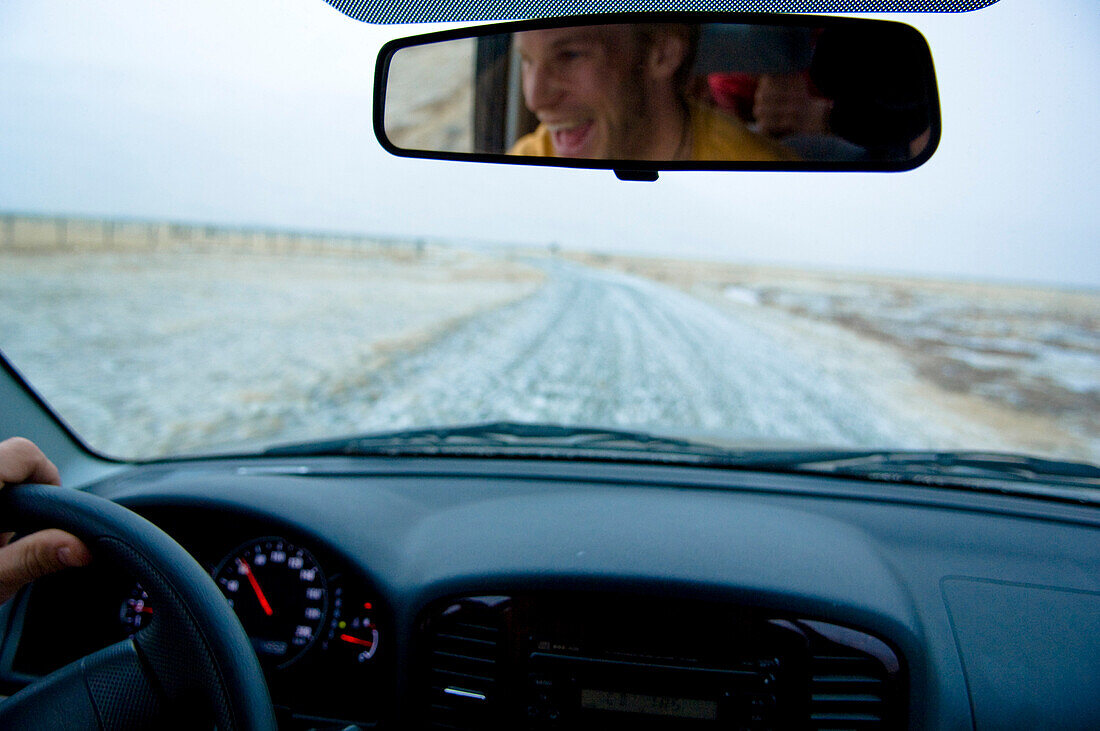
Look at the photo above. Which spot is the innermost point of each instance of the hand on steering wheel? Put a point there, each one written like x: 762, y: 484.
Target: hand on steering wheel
x: 193, y: 653
x: 40, y: 553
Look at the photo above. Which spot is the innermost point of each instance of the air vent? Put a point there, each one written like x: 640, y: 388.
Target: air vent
x: 463, y: 648
x: 847, y: 691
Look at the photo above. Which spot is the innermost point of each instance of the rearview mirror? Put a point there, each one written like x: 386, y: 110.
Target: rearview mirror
x: 651, y: 92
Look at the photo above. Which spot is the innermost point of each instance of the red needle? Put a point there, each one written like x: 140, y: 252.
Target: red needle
x: 255, y: 586
x: 356, y: 640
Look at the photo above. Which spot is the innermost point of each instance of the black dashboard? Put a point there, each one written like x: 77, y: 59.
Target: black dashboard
x: 461, y: 593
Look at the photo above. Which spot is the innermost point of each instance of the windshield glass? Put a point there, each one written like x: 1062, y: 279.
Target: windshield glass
x: 203, y: 249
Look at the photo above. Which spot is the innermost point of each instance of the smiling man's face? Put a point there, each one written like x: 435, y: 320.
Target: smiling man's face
x: 585, y: 84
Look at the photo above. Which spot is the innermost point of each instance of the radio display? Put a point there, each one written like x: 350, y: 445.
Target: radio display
x: 654, y: 705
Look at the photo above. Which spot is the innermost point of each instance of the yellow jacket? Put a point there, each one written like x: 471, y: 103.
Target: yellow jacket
x: 715, y: 137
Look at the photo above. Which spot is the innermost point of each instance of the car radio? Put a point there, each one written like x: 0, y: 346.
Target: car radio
x: 557, y: 660
x: 574, y: 692
x: 577, y: 687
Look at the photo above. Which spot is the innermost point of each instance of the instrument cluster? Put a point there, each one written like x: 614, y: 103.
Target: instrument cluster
x: 286, y: 603
x: 316, y: 624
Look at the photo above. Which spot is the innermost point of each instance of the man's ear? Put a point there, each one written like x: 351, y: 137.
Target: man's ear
x: 666, y: 54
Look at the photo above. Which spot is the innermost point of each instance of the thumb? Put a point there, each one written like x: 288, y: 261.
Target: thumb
x: 37, y: 555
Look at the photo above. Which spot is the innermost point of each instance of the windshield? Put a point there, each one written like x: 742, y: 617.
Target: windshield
x: 204, y: 249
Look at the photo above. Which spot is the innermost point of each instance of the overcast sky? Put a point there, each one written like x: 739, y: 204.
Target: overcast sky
x: 258, y: 112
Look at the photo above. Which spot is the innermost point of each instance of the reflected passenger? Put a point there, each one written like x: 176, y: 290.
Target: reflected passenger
x: 620, y: 92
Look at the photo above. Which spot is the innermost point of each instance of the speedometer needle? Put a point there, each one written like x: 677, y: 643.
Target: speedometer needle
x: 255, y: 586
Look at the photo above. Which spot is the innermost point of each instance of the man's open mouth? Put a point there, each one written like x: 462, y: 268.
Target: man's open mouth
x: 571, y: 139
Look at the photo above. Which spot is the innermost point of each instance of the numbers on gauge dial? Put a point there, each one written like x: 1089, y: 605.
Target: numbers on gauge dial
x: 279, y: 593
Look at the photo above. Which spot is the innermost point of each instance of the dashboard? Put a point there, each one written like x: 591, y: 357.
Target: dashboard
x: 474, y: 593
x: 316, y: 625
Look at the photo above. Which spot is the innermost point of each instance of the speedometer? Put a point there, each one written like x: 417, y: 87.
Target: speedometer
x: 279, y: 593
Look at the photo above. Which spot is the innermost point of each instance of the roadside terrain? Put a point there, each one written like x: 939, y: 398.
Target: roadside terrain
x: 1022, y: 361
x: 184, y: 349
x: 174, y: 351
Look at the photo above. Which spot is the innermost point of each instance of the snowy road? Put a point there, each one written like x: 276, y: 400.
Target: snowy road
x: 604, y: 348
x: 251, y: 350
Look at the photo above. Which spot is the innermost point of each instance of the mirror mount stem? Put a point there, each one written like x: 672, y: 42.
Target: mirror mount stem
x: 640, y: 176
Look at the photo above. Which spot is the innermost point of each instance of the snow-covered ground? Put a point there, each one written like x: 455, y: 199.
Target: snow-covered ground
x: 166, y: 352
x: 604, y: 347
x: 1009, y: 366
x: 170, y: 352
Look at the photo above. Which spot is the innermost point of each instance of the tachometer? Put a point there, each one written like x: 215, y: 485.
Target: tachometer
x: 279, y: 593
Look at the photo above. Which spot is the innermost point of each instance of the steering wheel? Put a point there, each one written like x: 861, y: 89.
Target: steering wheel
x: 192, y: 654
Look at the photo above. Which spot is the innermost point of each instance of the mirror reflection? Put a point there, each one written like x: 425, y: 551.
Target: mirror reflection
x: 849, y: 92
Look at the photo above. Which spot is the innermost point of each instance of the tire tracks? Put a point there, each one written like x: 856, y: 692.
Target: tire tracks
x: 605, y: 348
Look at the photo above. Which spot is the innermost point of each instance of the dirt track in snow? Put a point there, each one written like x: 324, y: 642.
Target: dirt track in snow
x: 601, y: 347
x: 168, y: 353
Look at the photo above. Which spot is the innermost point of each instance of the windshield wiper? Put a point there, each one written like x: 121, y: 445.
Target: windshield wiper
x: 974, y: 464
x: 516, y: 439
x: 1002, y: 472
x: 1049, y: 477
x: 511, y: 439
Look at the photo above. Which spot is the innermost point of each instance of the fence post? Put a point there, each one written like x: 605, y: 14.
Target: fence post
x: 9, y: 231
